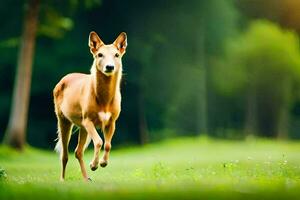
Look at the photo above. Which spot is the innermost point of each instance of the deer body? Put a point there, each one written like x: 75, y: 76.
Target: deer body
x: 82, y: 96
x: 90, y: 101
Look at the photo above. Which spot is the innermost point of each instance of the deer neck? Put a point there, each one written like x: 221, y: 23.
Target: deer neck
x: 105, y: 87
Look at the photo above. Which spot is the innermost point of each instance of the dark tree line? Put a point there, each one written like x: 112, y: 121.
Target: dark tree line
x: 169, y: 86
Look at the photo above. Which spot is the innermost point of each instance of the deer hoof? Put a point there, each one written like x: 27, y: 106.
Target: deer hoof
x: 93, y: 167
x: 103, y: 163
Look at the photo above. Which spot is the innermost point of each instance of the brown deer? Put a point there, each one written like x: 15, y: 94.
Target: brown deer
x: 90, y: 101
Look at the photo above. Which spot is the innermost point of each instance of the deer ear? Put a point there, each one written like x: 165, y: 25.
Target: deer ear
x: 94, y: 42
x: 121, y: 42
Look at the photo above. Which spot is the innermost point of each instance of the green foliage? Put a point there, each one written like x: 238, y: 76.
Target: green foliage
x: 170, y: 53
x: 57, y: 17
x: 262, y: 66
x: 54, y: 24
x: 265, y: 55
x: 201, y: 167
x: 172, y: 45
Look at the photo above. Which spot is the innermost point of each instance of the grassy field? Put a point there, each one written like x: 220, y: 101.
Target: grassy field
x: 185, y: 168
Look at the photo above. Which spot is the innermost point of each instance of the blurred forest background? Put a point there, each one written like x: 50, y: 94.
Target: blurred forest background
x: 223, y: 68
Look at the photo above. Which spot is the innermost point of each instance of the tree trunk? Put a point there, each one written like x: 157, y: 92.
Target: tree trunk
x: 16, y: 130
x: 284, y: 111
x: 283, y: 122
x: 143, y: 128
x: 201, y: 114
x: 251, y: 113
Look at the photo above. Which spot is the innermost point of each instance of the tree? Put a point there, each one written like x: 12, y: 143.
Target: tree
x: 15, y: 134
x: 53, y: 25
x: 263, y: 65
x: 188, y: 43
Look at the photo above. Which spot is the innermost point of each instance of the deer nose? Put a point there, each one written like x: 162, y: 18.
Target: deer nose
x: 109, y: 68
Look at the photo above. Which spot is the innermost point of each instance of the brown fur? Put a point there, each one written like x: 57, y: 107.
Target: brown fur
x: 89, y: 101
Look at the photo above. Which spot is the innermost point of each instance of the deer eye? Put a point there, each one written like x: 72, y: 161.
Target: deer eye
x: 100, y: 55
x: 117, y: 55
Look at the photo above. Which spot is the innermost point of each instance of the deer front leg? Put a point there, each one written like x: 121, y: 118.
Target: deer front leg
x: 108, y: 134
x: 90, y: 128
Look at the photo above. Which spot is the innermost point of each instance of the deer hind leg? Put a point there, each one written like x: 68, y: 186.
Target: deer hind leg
x: 108, y: 134
x: 64, y: 133
x: 79, y: 151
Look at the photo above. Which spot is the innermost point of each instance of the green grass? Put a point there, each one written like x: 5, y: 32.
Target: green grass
x: 184, y: 168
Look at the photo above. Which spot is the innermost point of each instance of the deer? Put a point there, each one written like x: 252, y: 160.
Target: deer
x: 90, y: 101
